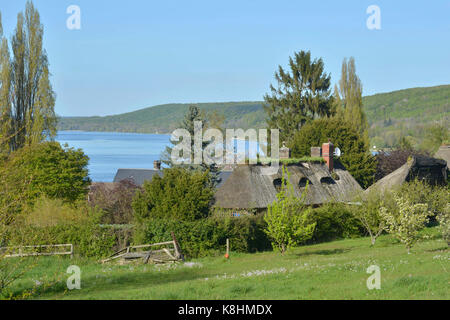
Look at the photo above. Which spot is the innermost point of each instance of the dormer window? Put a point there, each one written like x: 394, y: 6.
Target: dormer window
x: 277, y: 183
x: 303, y: 182
x: 327, y: 180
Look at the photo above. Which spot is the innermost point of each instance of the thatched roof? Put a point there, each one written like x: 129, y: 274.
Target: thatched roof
x: 425, y: 168
x: 248, y: 188
x: 444, y: 153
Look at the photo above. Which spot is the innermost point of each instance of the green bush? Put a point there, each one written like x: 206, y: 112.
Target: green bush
x: 52, y: 221
x: 180, y: 194
x: 89, y: 240
x: 334, y: 221
x: 207, y: 236
x: 288, y: 221
x: 46, y: 169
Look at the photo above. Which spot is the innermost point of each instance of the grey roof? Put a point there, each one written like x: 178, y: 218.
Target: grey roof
x: 247, y: 187
x: 138, y: 176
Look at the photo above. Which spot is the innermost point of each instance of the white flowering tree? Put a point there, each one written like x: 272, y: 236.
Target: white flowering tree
x: 444, y: 223
x: 405, y: 220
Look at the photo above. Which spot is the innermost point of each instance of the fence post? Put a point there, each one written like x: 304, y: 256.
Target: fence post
x: 178, y: 253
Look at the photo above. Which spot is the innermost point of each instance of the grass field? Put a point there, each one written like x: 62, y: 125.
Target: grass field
x: 334, y: 270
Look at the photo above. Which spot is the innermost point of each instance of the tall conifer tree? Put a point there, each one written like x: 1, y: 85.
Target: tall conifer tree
x: 301, y: 94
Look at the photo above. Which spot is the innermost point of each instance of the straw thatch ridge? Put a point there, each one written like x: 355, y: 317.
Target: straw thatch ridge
x: 444, y: 153
x: 248, y: 188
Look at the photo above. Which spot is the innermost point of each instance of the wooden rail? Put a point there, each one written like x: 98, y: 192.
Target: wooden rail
x: 18, y: 251
x: 173, y: 253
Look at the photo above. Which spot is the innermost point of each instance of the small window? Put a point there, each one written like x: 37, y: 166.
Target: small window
x: 277, y: 184
x: 327, y: 180
x: 303, y: 182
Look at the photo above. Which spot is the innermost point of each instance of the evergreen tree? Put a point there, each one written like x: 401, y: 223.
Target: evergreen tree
x: 348, y: 99
x: 180, y: 194
x: 355, y: 156
x: 27, y: 99
x: 194, y: 114
x: 302, y: 94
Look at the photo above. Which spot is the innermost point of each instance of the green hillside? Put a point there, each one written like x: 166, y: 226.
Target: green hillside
x: 391, y: 115
x: 165, y: 118
x: 408, y: 112
x: 419, y: 103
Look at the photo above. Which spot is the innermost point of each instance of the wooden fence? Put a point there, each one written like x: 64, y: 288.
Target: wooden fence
x: 161, y: 252
x: 39, y: 250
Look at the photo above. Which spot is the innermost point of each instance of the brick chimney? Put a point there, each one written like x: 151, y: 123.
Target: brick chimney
x: 327, y: 154
x: 157, y: 165
x: 316, y: 152
x: 284, y: 152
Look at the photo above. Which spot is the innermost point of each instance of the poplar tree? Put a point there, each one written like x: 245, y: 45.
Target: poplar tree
x: 5, y: 89
x: 27, y: 99
x: 348, y: 100
x: 301, y: 94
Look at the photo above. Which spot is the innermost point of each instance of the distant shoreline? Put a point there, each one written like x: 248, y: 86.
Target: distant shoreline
x: 119, y: 132
x: 112, y: 132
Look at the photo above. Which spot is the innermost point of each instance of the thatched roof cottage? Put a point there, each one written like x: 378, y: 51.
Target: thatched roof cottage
x: 328, y: 180
x: 444, y: 154
x: 246, y: 187
x: 431, y: 170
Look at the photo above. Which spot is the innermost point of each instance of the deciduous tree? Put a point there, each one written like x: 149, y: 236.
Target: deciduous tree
x: 27, y: 99
x: 368, y: 213
x: 47, y: 169
x: 405, y: 220
x: 288, y: 221
x: 348, y: 97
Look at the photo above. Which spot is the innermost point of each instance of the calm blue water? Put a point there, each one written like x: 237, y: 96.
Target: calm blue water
x: 109, y: 151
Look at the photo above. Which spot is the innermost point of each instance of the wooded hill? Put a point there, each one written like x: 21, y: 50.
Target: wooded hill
x: 390, y: 115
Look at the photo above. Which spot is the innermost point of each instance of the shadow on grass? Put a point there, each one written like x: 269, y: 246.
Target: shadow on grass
x: 100, y: 282
x: 323, y: 252
x: 439, y: 249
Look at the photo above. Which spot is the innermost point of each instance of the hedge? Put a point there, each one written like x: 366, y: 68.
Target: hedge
x: 207, y: 236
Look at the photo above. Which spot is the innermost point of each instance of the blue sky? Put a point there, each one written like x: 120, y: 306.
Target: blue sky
x: 139, y: 53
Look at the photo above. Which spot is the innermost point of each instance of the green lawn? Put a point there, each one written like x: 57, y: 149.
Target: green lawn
x: 334, y: 270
